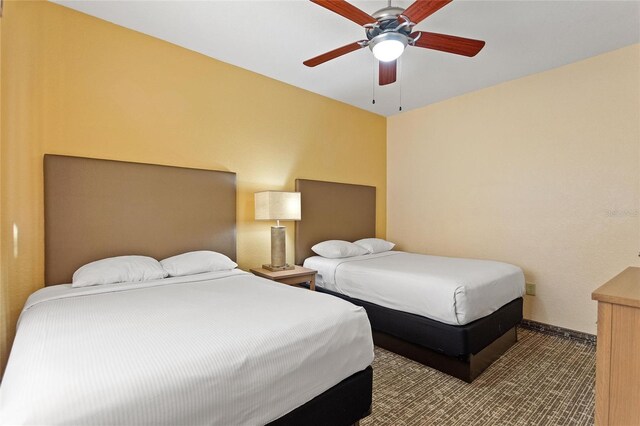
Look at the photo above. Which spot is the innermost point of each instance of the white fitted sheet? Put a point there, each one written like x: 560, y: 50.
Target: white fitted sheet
x: 218, y: 348
x: 447, y: 289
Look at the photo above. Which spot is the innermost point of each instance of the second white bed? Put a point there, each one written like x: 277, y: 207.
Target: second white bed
x: 451, y: 290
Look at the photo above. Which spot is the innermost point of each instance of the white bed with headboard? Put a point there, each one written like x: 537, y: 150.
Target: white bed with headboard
x: 217, y: 348
x: 454, y: 314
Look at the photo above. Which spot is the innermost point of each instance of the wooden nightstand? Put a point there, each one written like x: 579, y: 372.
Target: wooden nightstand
x: 296, y: 276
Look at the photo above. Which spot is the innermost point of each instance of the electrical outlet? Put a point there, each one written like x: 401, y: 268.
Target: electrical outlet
x: 531, y: 289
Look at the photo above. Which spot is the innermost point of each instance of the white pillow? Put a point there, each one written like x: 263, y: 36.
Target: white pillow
x: 375, y: 245
x: 121, y: 269
x: 197, y: 262
x: 337, y: 249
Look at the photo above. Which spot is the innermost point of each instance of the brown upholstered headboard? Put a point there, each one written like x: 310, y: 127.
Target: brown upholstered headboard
x: 333, y: 211
x: 101, y: 208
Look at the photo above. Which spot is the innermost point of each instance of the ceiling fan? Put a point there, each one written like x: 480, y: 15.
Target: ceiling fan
x: 389, y: 32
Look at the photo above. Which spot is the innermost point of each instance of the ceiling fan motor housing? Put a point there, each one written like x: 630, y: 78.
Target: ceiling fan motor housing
x: 387, y: 22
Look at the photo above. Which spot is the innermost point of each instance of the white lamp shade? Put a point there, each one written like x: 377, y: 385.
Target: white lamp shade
x: 277, y: 205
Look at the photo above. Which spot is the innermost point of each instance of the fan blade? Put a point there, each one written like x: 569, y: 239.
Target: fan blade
x: 387, y: 72
x: 448, y: 43
x: 347, y: 10
x: 421, y: 9
x: 321, y: 59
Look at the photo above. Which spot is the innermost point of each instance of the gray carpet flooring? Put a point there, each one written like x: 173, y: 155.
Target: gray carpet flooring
x: 541, y: 380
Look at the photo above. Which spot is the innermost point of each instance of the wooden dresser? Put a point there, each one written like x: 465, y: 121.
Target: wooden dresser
x: 618, y: 351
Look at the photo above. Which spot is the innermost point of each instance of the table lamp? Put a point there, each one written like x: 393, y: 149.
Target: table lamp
x: 278, y: 205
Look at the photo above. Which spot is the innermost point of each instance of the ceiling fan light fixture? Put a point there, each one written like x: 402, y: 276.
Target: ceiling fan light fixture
x: 388, y: 46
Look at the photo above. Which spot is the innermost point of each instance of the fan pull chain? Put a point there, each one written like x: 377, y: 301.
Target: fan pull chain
x: 373, y: 82
x: 400, y: 81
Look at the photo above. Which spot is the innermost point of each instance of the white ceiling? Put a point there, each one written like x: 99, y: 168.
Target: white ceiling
x: 274, y: 37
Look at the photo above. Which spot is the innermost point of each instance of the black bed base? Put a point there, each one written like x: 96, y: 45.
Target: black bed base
x: 462, y: 351
x: 342, y: 405
x: 465, y: 368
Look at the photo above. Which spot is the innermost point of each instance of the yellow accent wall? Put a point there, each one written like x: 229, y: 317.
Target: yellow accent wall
x: 542, y: 172
x: 73, y: 84
x: 4, y: 293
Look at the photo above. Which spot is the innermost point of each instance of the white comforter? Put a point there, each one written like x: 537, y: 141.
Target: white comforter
x: 218, y: 349
x: 447, y: 289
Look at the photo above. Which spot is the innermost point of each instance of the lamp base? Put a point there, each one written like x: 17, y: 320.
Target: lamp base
x: 272, y: 268
x: 278, y: 251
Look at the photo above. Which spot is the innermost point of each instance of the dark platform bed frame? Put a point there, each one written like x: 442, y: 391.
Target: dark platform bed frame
x: 342, y: 211
x: 461, y: 351
x: 85, y: 221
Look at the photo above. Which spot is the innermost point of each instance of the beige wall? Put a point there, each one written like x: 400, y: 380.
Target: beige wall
x: 73, y: 84
x: 542, y: 172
